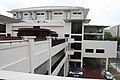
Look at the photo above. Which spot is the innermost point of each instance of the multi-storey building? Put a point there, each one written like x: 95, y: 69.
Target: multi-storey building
x: 115, y: 30
x: 86, y: 40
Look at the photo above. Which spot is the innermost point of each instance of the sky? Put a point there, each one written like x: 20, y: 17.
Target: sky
x: 102, y: 12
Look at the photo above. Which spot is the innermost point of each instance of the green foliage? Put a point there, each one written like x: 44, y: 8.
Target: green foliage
x: 116, y: 38
x: 108, y: 36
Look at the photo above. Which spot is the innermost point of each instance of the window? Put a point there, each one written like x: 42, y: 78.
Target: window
x: 66, y: 35
x: 74, y: 13
x: 55, y: 13
x: 42, y: 13
x: 89, y: 50
x: 25, y: 14
x: 36, y: 27
x: 76, y: 46
x: 77, y: 38
x: 79, y: 12
x: 76, y: 27
x: 60, y: 13
x: 100, y: 50
x: 2, y: 28
x: 77, y: 55
x: 38, y: 13
x: 14, y: 14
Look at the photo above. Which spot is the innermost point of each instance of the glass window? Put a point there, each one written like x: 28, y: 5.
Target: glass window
x: 2, y: 28
x: 42, y: 13
x: 75, y: 13
x: 89, y: 50
x: 77, y: 38
x: 77, y: 55
x: 60, y: 13
x: 38, y: 13
x: 79, y: 12
x: 76, y: 27
x: 76, y: 46
x: 100, y: 50
x: 25, y: 14
x: 55, y: 13
x: 14, y: 14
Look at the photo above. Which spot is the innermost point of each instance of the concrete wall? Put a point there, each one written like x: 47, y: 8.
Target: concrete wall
x: 26, y: 56
x: 109, y: 47
x: 65, y: 15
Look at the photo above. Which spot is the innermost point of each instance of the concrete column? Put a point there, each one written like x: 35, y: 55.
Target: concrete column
x: 81, y: 61
x: 106, y: 64
x: 103, y: 34
x: 50, y: 42
x: 65, y: 69
x: 9, y: 29
x: 31, y: 51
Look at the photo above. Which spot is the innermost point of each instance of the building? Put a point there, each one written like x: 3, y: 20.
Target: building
x: 115, y: 30
x: 83, y: 40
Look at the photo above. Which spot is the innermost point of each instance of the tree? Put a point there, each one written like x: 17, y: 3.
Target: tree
x: 108, y: 36
x: 116, y: 38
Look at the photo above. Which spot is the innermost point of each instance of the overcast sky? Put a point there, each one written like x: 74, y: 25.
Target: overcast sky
x: 102, y: 12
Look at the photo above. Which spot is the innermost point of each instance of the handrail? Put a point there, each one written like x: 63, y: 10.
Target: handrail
x: 12, y: 41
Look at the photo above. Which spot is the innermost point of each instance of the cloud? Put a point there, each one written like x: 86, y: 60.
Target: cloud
x: 103, y: 12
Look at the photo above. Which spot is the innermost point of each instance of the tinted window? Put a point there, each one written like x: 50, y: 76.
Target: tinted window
x: 42, y: 13
x: 100, y: 51
x: 2, y: 28
x: 89, y: 50
x: 77, y: 55
x: 38, y: 13
x: 76, y: 27
x: 77, y: 38
x: 25, y: 14
x: 76, y: 46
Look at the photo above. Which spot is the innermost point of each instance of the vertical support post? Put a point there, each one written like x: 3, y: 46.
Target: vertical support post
x: 66, y: 64
x: 106, y: 64
x: 103, y: 34
x: 31, y: 51
x: 82, y: 45
x: 50, y: 42
x: 65, y: 69
x: 81, y: 62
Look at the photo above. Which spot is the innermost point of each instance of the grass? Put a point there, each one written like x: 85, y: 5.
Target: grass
x: 115, y: 73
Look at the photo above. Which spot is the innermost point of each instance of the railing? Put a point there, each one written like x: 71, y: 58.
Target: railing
x: 12, y: 41
x: 26, y: 55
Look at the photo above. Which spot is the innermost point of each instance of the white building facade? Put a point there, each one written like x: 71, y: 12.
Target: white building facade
x: 68, y: 20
